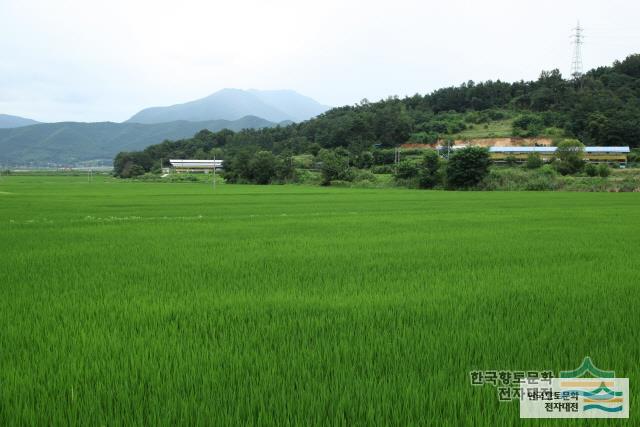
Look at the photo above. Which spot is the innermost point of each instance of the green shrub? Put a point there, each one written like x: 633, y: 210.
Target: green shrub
x: 185, y: 178
x: 497, y: 115
x: 629, y: 184
x: 553, y: 132
x: 603, y: 170
x: 174, y: 178
x: 364, y: 160
x: 570, y: 154
x: 504, y: 179
x: 382, y: 169
x: 511, y: 160
x: 591, y: 169
x: 303, y: 161
x: 430, y: 175
x: 406, y: 170
x: 384, y: 156
x: 516, y: 179
x: 134, y: 170
x: 364, y: 176
x: 534, y: 161
x: 308, y: 177
x: 423, y: 137
x: 548, y: 170
x: 541, y: 182
x: 584, y: 184
x: 128, y: 165
x: 334, y: 167
x: 263, y: 167
x: 467, y: 167
x: 527, y: 125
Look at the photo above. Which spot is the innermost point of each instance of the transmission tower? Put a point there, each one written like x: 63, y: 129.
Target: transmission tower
x: 577, y: 39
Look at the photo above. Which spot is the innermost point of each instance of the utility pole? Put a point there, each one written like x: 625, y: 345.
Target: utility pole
x: 577, y: 39
x: 214, y: 172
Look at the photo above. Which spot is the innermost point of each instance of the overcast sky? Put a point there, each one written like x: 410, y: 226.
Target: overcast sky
x: 89, y: 60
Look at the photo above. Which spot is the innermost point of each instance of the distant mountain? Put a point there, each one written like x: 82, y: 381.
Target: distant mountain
x: 298, y: 107
x: 72, y: 142
x: 232, y: 104
x: 7, y: 121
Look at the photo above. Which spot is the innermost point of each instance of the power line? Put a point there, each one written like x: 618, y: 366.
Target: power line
x: 577, y: 39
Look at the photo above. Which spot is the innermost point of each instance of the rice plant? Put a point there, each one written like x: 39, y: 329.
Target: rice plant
x: 128, y: 303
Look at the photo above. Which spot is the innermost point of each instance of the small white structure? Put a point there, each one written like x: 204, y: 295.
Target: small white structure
x: 591, y: 154
x: 195, y: 166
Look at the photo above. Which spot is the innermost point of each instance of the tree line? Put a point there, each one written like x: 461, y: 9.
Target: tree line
x: 600, y: 108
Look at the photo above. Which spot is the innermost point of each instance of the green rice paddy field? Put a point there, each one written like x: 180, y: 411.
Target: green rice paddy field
x: 129, y: 303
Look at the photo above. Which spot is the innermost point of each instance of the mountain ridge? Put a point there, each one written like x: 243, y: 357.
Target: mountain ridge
x: 74, y: 142
x: 8, y: 121
x: 232, y: 104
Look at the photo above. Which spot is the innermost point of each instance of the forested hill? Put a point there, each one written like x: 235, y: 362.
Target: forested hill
x: 600, y: 108
x: 71, y: 142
